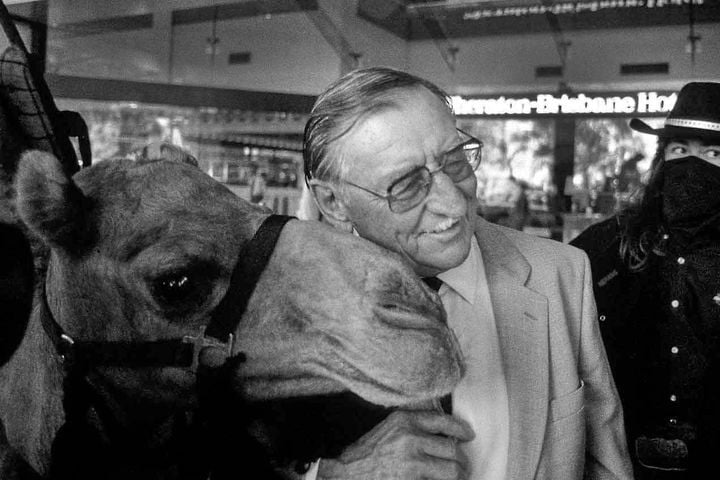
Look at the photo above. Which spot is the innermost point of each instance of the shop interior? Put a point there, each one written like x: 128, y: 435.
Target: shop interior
x: 549, y: 86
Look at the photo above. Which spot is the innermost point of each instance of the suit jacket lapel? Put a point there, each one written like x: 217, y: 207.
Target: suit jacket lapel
x: 521, y: 315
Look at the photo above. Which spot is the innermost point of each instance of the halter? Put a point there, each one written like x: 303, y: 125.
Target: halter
x: 179, y: 352
x: 80, y: 356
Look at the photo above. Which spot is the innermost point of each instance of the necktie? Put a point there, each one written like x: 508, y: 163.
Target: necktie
x: 435, y: 284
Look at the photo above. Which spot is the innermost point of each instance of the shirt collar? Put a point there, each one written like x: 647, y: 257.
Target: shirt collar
x: 464, y: 278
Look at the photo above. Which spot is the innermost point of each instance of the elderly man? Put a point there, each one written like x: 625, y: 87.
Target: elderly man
x: 384, y: 160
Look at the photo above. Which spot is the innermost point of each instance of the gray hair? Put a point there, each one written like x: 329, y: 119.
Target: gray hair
x: 346, y: 102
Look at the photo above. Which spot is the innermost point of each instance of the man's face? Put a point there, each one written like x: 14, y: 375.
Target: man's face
x: 684, y: 147
x: 435, y: 235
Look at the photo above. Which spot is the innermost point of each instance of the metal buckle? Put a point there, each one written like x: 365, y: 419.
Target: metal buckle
x: 662, y: 453
x: 65, y: 348
x: 200, y: 342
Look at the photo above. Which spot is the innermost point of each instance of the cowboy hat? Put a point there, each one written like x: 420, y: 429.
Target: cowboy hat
x: 696, y: 114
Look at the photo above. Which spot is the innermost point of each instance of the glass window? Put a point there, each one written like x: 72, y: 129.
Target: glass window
x: 611, y: 162
x: 515, y: 185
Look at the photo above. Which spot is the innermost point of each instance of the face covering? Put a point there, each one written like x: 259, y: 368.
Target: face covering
x: 691, y: 194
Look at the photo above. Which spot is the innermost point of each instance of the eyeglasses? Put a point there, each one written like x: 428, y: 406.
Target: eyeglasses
x: 411, y: 189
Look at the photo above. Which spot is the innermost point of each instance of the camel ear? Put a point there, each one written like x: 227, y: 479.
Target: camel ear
x: 49, y: 202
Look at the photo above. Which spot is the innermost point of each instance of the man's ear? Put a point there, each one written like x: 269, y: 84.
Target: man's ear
x: 331, y: 204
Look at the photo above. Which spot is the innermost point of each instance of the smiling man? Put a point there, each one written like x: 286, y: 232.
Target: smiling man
x: 384, y: 160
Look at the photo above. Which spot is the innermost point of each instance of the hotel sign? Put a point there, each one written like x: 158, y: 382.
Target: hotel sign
x: 647, y: 103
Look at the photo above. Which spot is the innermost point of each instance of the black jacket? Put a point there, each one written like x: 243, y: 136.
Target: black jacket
x: 661, y: 328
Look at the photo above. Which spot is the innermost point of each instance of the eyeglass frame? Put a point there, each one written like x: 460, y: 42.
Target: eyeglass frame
x: 444, y: 156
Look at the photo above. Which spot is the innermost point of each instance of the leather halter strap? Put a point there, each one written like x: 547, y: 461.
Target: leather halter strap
x: 178, y: 352
x: 251, y: 263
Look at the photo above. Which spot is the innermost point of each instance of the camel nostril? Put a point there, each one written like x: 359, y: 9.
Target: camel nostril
x: 404, y: 316
x: 391, y: 306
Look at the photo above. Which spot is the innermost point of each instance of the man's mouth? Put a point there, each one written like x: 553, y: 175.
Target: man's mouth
x: 443, y: 226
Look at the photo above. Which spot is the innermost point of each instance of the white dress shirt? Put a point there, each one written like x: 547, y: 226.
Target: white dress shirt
x: 481, y: 397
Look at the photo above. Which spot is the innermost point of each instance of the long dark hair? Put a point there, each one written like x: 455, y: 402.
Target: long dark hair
x: 642, y: 228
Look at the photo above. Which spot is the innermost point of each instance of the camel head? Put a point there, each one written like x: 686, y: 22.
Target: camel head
x: 144, y: 251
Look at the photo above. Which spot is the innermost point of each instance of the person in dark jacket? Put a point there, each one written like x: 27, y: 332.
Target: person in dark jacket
x: 656, y: 278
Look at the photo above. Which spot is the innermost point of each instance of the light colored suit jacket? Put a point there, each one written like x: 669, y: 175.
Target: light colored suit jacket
x: 566, y: 421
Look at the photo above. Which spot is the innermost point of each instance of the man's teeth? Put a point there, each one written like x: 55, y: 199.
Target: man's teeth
x: 444, y: 225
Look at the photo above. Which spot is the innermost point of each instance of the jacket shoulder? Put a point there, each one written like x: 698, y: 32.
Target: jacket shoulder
x: 599, y: 238
x: 543, y: 252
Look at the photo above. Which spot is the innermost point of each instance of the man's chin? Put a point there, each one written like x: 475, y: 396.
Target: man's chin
x: 458, y: 257
x: 445, y: 259
x: 434, y: 255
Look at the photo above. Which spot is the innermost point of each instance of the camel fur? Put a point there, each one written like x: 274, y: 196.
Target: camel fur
x: 143, y: 250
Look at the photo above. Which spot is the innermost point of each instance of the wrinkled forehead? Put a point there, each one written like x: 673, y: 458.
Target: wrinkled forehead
x: 403, y: 100
x: 150, y: 200
x: 413, y: 126
x: 144, y: 185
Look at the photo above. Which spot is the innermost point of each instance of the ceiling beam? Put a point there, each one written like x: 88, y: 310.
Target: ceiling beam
x: 438, y: 32
x: 333, y: 35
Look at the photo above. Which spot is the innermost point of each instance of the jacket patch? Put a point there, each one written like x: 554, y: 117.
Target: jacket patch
x: 603, y: 281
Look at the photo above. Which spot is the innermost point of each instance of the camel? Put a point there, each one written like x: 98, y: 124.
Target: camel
x: 146, y: 252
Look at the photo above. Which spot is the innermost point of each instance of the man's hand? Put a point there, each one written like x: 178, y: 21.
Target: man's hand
x: 405, y: 446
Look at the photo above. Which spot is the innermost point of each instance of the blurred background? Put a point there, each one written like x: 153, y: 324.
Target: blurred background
x: 549, y: 86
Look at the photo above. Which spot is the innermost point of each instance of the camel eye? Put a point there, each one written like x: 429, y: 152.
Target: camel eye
x: 173, y: 289
x: 181, y: 292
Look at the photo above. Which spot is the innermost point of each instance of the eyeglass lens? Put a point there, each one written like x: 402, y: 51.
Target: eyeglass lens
x: 458, y: 164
